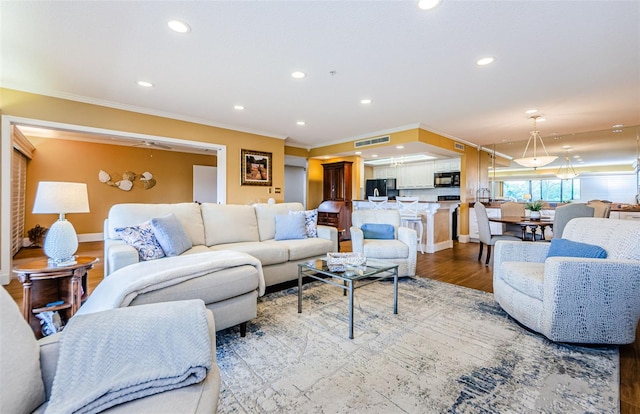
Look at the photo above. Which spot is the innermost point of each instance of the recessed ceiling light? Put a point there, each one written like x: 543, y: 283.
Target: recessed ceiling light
x: 616, y: 131
x: 301, y: 123
x: 541, y: 119
x: 238, y: 107
x: 485, y: 61
x: 326, y: 157
x: 365, y: 101
x: 617, y: 126
x: 530, y: 111
x: 567, y: 147
x: 374, y: 156
x: 298, y: 74
x: 428, y: 4
x: 400, y: 147
x: 178, y: 26
x: 145, y: 84
x: 358, y: 152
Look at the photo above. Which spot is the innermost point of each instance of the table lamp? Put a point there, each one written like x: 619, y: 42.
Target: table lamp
x: 52, y: 197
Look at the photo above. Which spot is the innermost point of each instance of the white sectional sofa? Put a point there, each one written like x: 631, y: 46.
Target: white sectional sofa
x: 245, y: 228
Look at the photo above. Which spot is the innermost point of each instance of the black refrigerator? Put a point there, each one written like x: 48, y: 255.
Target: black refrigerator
x: 385, y: 187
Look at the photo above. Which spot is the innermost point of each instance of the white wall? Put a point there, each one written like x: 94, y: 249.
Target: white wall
x: 621, y: 188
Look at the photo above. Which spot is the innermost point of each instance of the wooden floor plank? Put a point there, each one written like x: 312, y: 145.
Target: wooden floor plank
x: 457, y: 266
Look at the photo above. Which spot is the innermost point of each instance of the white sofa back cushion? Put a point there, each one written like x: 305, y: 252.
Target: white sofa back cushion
x: 229, y: 223
x: 131, y: 214
x: 266, y: 214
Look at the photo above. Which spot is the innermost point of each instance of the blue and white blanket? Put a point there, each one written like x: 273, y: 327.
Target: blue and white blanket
x: 108, y: 358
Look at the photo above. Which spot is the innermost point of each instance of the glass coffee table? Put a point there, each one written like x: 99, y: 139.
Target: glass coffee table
x: 373, y: 271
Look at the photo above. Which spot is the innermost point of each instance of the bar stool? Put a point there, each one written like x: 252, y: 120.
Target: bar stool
x: 378, y: 203
x: 409, y: 217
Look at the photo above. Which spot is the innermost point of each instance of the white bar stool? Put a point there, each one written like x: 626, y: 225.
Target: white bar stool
x: 378, y: 202
x: 409, y: 217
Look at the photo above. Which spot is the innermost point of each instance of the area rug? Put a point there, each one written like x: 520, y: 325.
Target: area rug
x: 448, y: 350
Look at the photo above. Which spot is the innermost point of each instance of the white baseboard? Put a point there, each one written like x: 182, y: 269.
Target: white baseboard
x: 464, y: 238
x: 448, y: 244
x: 82, y: 238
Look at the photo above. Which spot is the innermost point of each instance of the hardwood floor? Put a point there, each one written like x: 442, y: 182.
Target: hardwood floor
x: 458, y: 266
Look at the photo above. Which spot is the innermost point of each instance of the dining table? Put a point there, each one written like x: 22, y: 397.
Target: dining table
x: 526, y: 223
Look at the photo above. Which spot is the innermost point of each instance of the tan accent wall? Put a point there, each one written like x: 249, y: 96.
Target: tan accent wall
x: 39, y: 107
x: 441, y: 226
x: 64, y: 160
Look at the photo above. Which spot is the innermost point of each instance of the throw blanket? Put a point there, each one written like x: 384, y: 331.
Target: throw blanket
x: 121, y: 287
x: 112, y: 357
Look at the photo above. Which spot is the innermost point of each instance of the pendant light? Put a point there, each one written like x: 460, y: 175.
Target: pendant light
x: 535, y: 161
x: 566, y: 171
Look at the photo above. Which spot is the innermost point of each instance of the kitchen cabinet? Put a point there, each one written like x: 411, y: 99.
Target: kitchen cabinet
x: 417, y: 175
x: 448, y: 165
x: 629, y: 215
x: 384, y: 172
x: 335, y: 209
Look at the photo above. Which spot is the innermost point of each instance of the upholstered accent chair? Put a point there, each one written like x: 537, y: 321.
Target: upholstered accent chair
x: 401, y: 248
x: 568, y: 212
x: 574, y: 299
x: 600, y: 208
x: 28, y: 367
x: 484, y: 232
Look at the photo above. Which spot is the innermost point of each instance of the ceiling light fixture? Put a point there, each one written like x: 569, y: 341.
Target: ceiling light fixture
x: 485, y: 61
x: 145, y: 84
x: 301, y: 123
x: 535, y: 161
x: 238, y: 107
x: 365, y: 101
x: 566, y: 171
x: 428, y: 4
x: 298, y: 74
x: 530, y: 111
x: 178, y: 26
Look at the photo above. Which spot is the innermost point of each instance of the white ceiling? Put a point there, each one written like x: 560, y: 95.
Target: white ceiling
x: 577, y: 62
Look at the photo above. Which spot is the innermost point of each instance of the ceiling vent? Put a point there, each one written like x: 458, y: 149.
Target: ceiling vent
x: 372, y: 141
x: 458, y: 146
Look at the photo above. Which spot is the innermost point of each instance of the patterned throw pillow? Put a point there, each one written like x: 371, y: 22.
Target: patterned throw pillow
x: 310, y: 221
x: 142, y: 238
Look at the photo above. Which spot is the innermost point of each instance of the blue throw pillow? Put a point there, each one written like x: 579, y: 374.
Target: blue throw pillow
x: 290, y: 227
x: 568, y: 248
x: 142, y: 238
x: 171, y: 235
x: 378, y: 231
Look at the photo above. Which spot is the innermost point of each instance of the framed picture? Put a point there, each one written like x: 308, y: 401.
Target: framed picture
x: 256, y: 168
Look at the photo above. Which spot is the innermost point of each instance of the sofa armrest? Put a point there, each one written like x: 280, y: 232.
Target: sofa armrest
x: 329, y: 233
x: 118, y: 254
x: 600, y: 293
x: 357, y: 240
x: 49, y: 352
x: 518, y: 251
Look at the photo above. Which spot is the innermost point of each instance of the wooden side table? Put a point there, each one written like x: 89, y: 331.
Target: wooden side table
x: 42, y: 284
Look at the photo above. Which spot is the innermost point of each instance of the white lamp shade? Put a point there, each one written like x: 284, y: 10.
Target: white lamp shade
x: 535, y: 162
x: 54, y: 197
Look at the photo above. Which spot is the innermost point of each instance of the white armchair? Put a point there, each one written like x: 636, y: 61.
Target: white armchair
x: 572, y: 299
x: 28, y: 366
x: 402, y: 249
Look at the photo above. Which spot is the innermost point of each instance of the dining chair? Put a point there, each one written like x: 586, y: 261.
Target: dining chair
x: 378, y: 202
x: 601, y: 208
x: 409, y: 217
x: 568, y: 212
x: 512, y: 209
x: 484, y: 232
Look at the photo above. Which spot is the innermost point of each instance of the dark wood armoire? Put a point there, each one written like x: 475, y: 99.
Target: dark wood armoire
x: 335, y: 209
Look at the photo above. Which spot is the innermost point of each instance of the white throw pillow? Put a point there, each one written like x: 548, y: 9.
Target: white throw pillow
x: 290, y: 227
x: 171, y: 235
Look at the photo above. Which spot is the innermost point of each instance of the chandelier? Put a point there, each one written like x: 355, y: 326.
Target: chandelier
x: 566, y: 171
x: 395, y: 162
x: 535, y: 161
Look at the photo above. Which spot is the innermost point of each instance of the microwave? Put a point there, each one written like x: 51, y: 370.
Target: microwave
x: 447, y: 179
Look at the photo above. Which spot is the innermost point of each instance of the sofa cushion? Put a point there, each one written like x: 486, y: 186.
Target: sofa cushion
x: 378, y: 231
x: 310, y: 221
x: 385, y: 249
x: 171, y: 235
x: 305, y: 248
x: 569, y: 248
x: 267, y: 253
x: 143, y: 239
x: 290, y: 227
x: 525, y: 277
x: 22, y: 389
x: 229, y: 223
x: 266, y: 213
x: 131, y: 214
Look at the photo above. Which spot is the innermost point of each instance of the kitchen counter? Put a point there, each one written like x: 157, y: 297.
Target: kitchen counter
x: 552, y: 206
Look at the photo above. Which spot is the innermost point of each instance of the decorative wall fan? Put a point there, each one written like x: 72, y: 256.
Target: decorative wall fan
x: 153, y: 144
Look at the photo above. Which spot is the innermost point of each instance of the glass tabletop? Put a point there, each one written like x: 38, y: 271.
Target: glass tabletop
x: 371, y: 268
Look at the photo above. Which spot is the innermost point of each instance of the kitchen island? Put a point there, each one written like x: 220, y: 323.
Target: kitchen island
x: 437, y: 220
